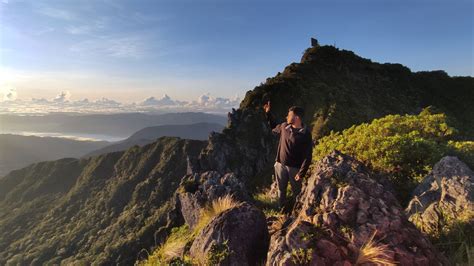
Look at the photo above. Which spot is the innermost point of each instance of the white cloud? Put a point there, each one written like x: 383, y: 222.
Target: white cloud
x: 63, y: 103
x: 44, y: 31
x: 9, y: 94
x: 88, y: 27
x: 165, y: 100
x: 56, y: 13
x: 83, y: 29
x: 121, y: 47
x: 62, y: 97
x: 106, y: 101
x: 207, y: 100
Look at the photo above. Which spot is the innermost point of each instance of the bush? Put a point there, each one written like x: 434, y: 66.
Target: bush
x: 403, y: 146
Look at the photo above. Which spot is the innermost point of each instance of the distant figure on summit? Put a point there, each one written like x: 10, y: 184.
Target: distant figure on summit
x: 294, y: 150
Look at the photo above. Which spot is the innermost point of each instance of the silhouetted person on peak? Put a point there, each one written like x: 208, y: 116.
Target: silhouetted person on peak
x: 294, y: 150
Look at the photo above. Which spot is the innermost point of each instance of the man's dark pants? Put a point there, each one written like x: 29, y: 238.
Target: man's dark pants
x: 283, y: 174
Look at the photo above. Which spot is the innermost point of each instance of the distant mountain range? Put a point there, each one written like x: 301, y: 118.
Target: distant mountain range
x: 19, y: 151
x: 198, y: 131
x: 117, y: 125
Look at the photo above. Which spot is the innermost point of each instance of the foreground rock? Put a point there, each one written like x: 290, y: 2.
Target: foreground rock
x: 237, y: 236
x: 447, y: 193
x: 339, y: 211
x: 198, y: 189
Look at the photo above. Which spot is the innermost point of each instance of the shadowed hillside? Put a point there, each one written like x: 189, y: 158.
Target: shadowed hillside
x: 97, y: 210
x: 198, y: 131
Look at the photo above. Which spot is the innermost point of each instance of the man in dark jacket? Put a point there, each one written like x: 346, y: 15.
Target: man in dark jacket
x: 294, y: 150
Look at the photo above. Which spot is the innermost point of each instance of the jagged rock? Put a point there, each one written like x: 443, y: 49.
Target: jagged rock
x: 199, y: 189
x: 245, y: 147
x: 239, y: 234
x: 340, y: 208
x: 446, y: 193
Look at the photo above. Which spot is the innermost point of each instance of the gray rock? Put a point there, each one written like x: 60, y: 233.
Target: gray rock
x: 240, y: 234
x: 446, y: 193
x: 199, y: 189
x: 340, y: 208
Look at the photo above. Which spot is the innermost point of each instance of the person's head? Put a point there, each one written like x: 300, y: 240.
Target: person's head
x: 295, y: 115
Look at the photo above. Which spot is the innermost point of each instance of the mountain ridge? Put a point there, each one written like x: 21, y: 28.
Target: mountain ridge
x: 337, y: 88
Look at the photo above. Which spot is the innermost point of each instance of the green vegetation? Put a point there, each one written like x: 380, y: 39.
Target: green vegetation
x: 98, y: 210
x: 403, y: 146
x: 452, y: 235
x: 218, y: 253
x: 177, y: 244
x: 302, y: 256
x: 265, y: 201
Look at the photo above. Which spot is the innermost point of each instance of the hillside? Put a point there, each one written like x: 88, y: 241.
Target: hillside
x: 112, y: 206
x: 338, y: 89
x: 20, y: 151
x: 197, y: 131
x: 97, y: 210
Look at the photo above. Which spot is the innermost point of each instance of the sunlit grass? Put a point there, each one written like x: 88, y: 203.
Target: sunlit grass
x: 182, y: 237
x: 373, y: 253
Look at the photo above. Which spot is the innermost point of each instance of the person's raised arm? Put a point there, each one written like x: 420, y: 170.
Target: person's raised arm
x: 272, y: 122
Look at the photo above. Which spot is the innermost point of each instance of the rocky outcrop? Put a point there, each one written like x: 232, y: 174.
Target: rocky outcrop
x: 246, y: 147
x: 341, y: 210
x: 198, y: 189
x: 237, y: 236
x: 447, y: 193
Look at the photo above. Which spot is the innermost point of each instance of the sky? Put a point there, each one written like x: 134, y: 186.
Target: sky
x: 207, y: 53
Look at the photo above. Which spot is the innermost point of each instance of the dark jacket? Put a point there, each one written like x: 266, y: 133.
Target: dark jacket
x: 295, y: 147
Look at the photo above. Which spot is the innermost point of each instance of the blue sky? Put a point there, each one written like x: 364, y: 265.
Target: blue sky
x: 130, y: 50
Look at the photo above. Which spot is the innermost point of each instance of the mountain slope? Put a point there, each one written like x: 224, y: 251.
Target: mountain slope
x: 20, y: 151
x: 338, y: 89
x: 120, y: 200
x: 198, y: 131
x: 97, y: 210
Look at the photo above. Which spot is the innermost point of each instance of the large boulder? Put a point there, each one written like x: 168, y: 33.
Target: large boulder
x: 447, y: 193
x: 199, y: 189
x: 341, y: 211
x: 237, y: 236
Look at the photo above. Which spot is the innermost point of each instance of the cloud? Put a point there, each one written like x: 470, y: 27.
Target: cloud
x: 9, y: 94
x: 62, y: 97
x: 165, y: 100
x: 56, y: 13
x: 206, y: 100
x: 88, y: 27
x: 121, y: 47
x: 63, y: 103
x: 78, y: 29
x: 44, y: 31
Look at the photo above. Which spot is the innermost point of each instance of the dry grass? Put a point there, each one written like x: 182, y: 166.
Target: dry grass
x: 176, y: 243
x: 373, y: 253
x: 216, y: 207
x: 173, y: 247
x: 277, y: 225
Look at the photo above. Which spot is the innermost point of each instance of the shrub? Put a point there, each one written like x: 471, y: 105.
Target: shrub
x: 403, y: 146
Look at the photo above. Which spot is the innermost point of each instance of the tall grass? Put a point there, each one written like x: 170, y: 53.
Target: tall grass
x: 182, y: 237
x: 373, y: 253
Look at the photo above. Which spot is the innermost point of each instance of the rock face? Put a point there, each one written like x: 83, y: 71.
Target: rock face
x: 339, y: 210
x: 198, y: 189
x: 237, y: 236
x: 446, y: 193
